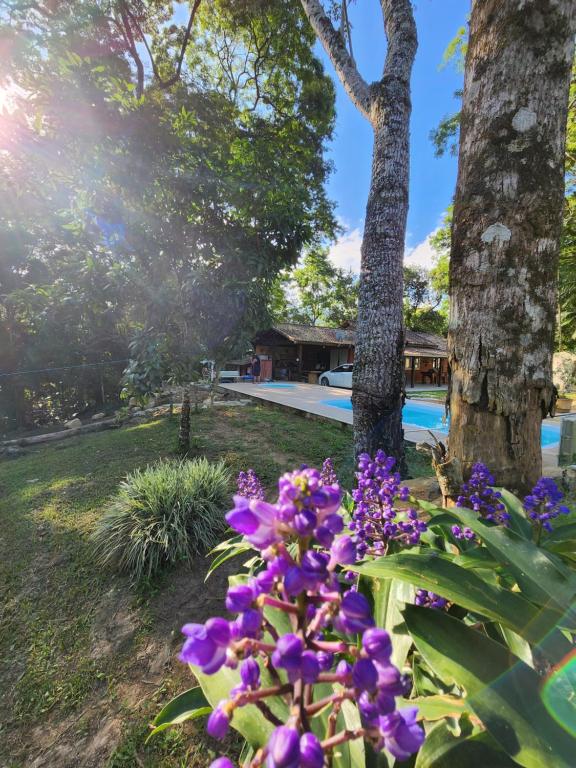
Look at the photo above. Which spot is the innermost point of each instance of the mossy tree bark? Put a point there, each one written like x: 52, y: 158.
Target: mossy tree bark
x: 378, y: 379
x: 506, y: 230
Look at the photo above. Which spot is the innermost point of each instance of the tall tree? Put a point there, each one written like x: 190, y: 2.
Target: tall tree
x: 378, y: 369
x: 506, y: 232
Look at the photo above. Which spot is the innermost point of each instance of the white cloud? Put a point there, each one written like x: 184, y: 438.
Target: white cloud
x: 345, y: 252
x: 422, y: 255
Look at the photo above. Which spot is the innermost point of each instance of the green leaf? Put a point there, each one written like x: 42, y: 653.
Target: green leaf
x: 187, y: 706
x: 442, y: 750
x: 248, y: 721
x: 501, y: 690
x: 390, y: 596
x: 518, y: 520
x: 462, y: 586
x: 542, y: 578
x: 224, y: 556
x: 437, y: 707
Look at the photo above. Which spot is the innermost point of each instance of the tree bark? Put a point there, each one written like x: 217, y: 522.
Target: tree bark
x: 184, y: 428
x: 506, y: 229
x: 378, y: 379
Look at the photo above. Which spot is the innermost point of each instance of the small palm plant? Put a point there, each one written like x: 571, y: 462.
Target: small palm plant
x: 163, y: 514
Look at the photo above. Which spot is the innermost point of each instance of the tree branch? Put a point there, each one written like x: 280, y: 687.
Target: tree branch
x: 401, y: 35
x: 334, y: 45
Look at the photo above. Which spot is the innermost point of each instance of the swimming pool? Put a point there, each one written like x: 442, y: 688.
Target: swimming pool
x: 277, y: 385
x: 431, y: 416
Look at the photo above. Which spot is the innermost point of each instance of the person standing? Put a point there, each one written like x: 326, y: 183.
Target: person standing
x: 256, y: 368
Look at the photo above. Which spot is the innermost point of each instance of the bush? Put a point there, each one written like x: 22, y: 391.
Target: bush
x: 166, y: 513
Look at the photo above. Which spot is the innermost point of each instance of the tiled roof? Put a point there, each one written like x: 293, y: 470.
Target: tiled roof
x: 310, y: 334
x: 416, y: 343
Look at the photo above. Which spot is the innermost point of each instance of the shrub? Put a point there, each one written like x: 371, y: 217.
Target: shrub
x: 163, y: 514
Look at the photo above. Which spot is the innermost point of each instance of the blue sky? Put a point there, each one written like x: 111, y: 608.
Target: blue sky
x: 432, y: 180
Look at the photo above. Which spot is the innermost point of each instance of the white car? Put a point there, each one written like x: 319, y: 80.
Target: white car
x: 338, y: 377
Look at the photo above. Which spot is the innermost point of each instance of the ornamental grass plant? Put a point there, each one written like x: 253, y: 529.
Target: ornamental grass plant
x: 163, y: 514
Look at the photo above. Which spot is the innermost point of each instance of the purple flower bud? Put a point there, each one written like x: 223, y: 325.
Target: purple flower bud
x: 218, y: 722
x: 314, y: 567
x: 343, y: 669
x: 368, y: 708
x: 249, y: 623
x: 323, y: 536
x: 265, y: 581
x: 288, y: 653
x: 355, y: 614
x: 222, y: 762
x: 365, y: 675
x: 325, y: 660
x: 344, y: 551
x: 241, y: 518
x: 390, y: 680
x: 305, y: 522
x: 401, y: 734
x: 334, y: 523
x: 310, y: 667
x: 294, y: 581
x: 311, y: 752
x: 250, y: 673
x: 284, y: 748
x: 377, y: 644
x: 239, y: 598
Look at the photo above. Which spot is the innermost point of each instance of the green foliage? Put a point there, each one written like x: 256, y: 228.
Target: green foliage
x: 425, y: 307
x: 315, y: 292
x: 130, y: 210
x: 162, y: 515
x: 478, y: 666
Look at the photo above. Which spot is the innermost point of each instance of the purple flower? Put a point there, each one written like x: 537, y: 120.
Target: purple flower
x: 284, y: 748
x: 402, y: 736
x: 206, y: 644
x: 543, y: 503
x: 355, y: 614
x: 311, y: 752
x: 365, y: 675
x: 288, y: 653
x: 343, y: 551
x: 222, y: 762
x: 250, y: 673
x: 328, y: 475
x: 302, y: 576
x: 249, y: 485
x: 239, y: 598
x: 428, y: 599
x: 218, y: 722
x: 377, y: 644
x: 477, y: 494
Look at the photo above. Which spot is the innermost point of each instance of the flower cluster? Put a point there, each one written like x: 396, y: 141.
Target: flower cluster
x: 477, y: 494
x: 376, y: 519
x: 249, y: 485
x: 463, y: 533
x: 543, y: 503
x: 430, y: 599
x: 328, y: 474
x: 332, y: 637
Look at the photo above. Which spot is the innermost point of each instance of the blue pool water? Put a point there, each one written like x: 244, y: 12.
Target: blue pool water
x: 276, y: 385
x: 430, y: 416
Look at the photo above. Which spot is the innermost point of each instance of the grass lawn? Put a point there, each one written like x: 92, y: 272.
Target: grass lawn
x: 428, y: 394
x: 84, y: 661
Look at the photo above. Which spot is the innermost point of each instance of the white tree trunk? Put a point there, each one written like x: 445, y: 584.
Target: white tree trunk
x: 506, y: 230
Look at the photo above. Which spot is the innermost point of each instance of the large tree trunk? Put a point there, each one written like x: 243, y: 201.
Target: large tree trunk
x: 506, y: 230
x: 378, y: 379
x: 377, y: 391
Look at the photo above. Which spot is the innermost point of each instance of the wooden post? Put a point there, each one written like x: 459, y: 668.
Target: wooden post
x: 412, y: 368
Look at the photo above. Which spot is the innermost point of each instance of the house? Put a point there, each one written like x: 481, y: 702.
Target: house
x: 297, y: 352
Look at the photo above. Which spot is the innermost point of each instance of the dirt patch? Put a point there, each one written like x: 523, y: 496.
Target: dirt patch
x: 141, y: 645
